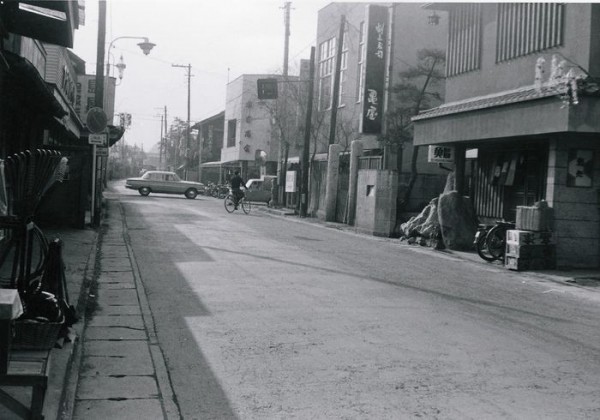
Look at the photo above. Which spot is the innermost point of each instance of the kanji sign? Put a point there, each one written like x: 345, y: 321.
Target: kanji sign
x: 440, y: 154
x: 266, y: 88
x: 377, y: 32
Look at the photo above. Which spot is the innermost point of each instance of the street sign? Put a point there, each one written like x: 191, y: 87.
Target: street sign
x: 102, y: 151
x: 97, y: 139
x: 96, y: 120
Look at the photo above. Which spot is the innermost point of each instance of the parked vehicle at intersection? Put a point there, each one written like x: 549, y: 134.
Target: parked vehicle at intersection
x: 165, y: 183
x: 259, y: 190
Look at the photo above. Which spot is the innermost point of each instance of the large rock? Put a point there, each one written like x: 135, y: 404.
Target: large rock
x: 457, y: 220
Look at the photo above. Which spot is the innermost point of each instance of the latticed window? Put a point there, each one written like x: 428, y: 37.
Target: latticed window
x: 361, y: 62
x: 326, y: 66
x: 464, y: 41
x: 525, y: 28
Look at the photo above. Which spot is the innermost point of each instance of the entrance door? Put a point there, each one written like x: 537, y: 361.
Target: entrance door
x: 503, y: 179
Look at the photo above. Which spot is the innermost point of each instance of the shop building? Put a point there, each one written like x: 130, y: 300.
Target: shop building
x: 521, y: 114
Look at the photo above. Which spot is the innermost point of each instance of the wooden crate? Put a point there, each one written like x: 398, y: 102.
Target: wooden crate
x: 514, y: 249
x: 528, y: 237
x: 522, y: 264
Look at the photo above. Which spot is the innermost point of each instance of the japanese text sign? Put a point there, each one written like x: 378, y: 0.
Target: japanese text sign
x: 375, y: 61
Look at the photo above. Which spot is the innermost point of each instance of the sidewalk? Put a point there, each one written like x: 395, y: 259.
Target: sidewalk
x: 585, y: 279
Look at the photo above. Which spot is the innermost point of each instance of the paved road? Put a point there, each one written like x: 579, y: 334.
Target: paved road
x: 260, y: 317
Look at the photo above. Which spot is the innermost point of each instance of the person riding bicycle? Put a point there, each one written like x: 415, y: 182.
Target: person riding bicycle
x: 236, y: 182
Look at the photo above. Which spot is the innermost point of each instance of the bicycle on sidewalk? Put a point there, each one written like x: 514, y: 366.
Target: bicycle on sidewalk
x: 490, y: 240
x: 231, y: 205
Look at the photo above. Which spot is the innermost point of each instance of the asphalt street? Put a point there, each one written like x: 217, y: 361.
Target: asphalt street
x: 261, y: 317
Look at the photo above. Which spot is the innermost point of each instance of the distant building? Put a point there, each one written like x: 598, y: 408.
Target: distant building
x: 251, y: 128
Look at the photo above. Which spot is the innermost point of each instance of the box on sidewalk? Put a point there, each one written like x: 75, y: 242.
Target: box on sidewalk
x: 527, y: 237
x: 537, y: 218
x: 521, y: 264
x: 530, y: 251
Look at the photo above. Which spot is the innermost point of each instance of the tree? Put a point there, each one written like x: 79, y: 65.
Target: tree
x: 418, y: 89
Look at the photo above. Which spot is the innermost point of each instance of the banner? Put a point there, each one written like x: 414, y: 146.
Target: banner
x: 375, y: 59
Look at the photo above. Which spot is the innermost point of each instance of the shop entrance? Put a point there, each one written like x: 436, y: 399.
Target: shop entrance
x: 503, y: 178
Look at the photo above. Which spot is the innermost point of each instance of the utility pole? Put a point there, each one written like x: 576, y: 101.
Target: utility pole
x: 187, y: 133
x: 164, y: 140
x: 283, y: 150
x: 160, y: 147
x: 307, y: 129
x: 336, y: 80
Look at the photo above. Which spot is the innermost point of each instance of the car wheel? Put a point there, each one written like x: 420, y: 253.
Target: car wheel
x: 144, y: 191
x: 191, y: 193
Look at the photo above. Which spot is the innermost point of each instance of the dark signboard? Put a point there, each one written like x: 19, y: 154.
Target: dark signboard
x: 375, y: 59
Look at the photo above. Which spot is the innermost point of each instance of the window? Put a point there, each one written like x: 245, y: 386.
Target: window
x: 231, y: 132
x: 361, y: 63
x: 326, y: 66
x: 525, y: 28
x: 464, y: 40
x: 344, y: 66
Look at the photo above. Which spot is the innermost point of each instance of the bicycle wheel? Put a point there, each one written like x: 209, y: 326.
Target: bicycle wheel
x: 246, y: 206
x: 495, y: 242
x: 229, y: 204
x: 481, y: 247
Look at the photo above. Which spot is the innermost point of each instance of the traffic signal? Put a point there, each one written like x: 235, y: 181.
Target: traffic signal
x: 267, y: 88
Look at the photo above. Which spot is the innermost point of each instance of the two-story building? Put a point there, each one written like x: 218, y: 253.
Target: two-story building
x: 521, y: 111
x: 381, y: 44
x: 253, y: 128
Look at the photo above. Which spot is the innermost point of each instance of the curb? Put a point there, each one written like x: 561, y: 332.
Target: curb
x: 66, y: 404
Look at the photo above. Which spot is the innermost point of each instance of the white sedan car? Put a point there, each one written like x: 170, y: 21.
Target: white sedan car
x: 166, y: 183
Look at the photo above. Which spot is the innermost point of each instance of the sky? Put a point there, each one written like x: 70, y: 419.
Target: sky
x: 221, y: 39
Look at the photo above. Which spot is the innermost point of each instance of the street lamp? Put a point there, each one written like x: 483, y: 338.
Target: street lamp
x: 146, y: 46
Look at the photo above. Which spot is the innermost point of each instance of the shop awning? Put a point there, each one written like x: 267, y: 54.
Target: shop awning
x: 26, y: 85
x: 525, y: 112
x: 49, y: 21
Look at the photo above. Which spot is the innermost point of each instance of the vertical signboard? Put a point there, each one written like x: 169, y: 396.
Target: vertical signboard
x: 375, y: 59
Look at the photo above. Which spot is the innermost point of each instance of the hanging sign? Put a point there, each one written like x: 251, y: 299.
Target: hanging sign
x: 290, y: 181
x: 440, y: 154
x: 376, y: 54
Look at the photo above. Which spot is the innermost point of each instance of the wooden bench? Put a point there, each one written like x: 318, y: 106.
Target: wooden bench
x: 20, y: 368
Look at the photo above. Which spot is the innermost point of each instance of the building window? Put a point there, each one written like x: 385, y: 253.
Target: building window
x: 361, y: 63
x: 464, y: 40
x: 326, y: 66
x: 343, y: 67
x: 91, y: 85
x: 525, y: 28
x: 231, y: 132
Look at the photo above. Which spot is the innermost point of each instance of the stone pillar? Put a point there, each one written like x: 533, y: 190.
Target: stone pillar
x: 333, y: 166
x: 356, y: 150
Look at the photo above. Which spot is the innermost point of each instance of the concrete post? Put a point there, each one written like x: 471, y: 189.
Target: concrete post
x: 356, y: 150
x: 333, y: 166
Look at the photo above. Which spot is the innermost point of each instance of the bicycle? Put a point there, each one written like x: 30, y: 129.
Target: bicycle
x: 230, y: 206
x: 490, y: 240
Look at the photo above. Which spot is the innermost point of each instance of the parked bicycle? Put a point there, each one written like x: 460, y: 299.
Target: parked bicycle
x: 231, y: 206
x: 490, y: 240
x: 219, y: 191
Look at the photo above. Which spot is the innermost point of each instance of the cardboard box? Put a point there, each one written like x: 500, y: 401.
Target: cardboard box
x: 530, y: 251
x: 522, y: 264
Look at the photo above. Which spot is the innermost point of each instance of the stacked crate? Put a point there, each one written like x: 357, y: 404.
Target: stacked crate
x: 531, y: 245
